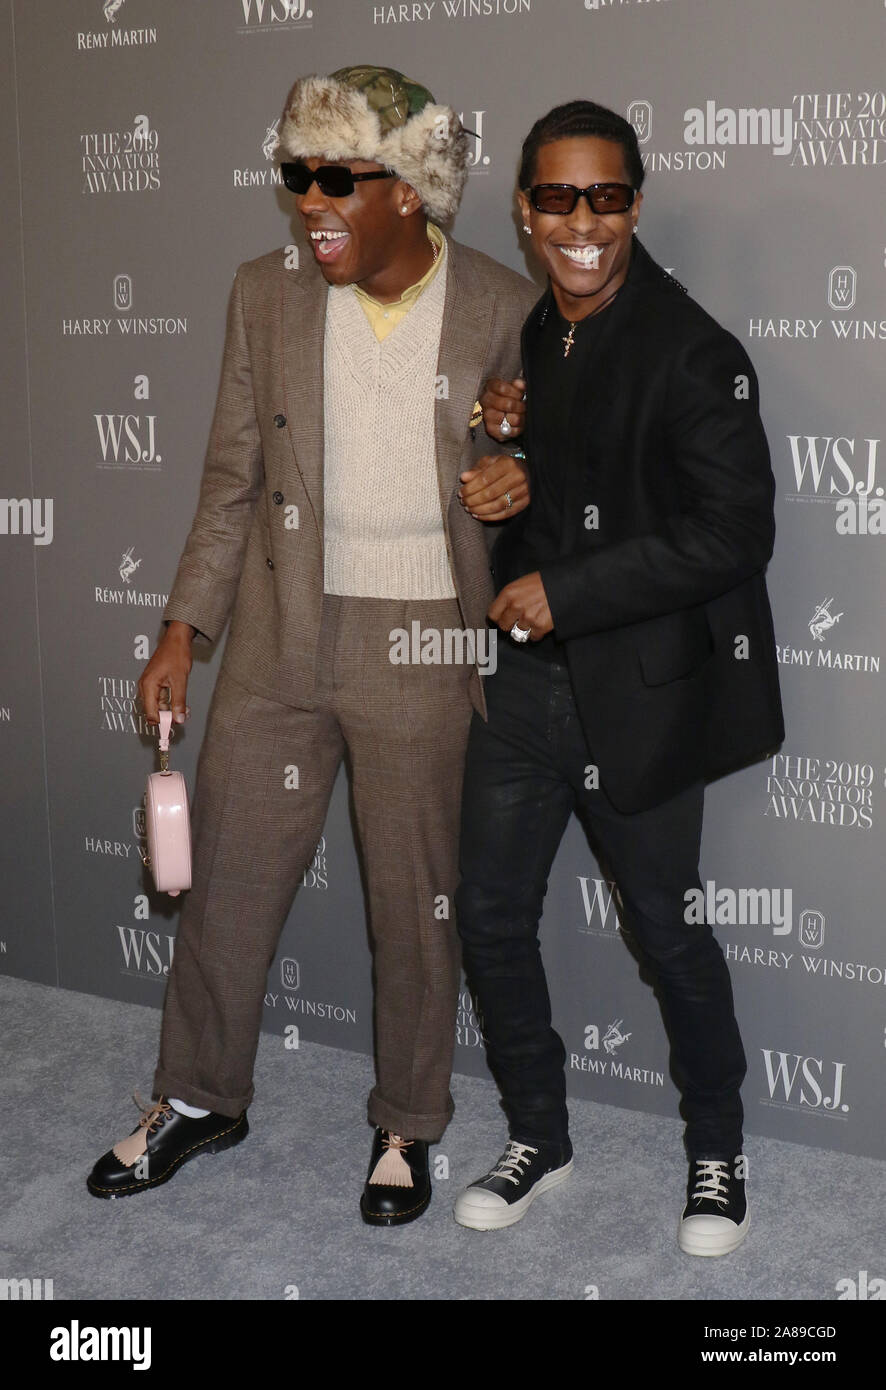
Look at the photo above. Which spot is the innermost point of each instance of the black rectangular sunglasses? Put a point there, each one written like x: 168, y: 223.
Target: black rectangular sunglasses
x: 561, y: 198
x: 335, y: 180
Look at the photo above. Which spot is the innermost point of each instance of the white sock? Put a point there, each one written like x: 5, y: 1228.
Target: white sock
x: 192, y: 1111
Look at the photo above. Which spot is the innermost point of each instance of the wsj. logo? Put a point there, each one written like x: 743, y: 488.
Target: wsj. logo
x: 289, y: 973
x: 640, y: 117
x: 801, y: 1082
x: 831, y: 459
x: 823, y: 620
x: 477, y: 160
x: 134, y: 435
x: 146, y: 952
x: 600, y: 906
x: 841, y: 287
x: 810, y: 930
x: 123, y: 293
x: 266, y: 13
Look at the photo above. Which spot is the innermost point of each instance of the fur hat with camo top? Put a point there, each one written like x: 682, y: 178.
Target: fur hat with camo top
x: 378, y: 114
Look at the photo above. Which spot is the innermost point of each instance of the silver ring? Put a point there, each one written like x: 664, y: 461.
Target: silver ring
x: 508, y: 500
x: 519, y: 635
x: 505, y: 426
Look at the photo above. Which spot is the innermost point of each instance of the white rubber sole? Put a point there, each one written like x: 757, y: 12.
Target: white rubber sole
x: 694, y: 1242
x: 483, y: 1218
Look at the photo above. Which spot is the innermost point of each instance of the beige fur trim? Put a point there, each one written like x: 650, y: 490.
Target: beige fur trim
x: 324, y: 119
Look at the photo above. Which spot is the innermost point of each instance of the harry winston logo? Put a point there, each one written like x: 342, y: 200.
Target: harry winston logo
x: 123, y: 292
x: 640, y: 117
x: 289, y: 973
x: 810, y: 930
x: 842, y: 283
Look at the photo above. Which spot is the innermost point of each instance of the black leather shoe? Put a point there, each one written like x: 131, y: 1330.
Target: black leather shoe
x: 158, y: 1146
x: 384, y: 1204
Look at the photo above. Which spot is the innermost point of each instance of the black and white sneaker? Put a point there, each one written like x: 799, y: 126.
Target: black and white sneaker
x: 508, y: 1190
x: 715, y: 1219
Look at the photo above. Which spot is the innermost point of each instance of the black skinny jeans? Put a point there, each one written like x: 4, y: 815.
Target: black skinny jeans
x: 525, y: 774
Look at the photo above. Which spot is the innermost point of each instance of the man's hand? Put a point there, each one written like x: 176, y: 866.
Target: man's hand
x: 523, y: 602
x: 502, y: 398
x: 484, y: 489
x: 169, y: 666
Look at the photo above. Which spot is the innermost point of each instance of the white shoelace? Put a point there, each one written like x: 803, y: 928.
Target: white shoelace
x: 710, y: 1181
x: 509, y: 1163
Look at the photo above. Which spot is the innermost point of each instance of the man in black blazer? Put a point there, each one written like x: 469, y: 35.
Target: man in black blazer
x: 640, y: 659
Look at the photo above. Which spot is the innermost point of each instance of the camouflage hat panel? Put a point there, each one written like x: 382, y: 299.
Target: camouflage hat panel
x: 392, y: 96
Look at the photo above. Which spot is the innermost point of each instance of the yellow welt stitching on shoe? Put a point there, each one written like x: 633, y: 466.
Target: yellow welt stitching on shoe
x: 401, y: 1213
x: 150, y: 1181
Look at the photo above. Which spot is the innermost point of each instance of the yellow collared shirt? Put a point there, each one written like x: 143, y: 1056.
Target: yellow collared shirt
x: 385, y: 317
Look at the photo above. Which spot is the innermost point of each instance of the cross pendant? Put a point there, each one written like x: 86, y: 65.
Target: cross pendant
x: 569, y: 340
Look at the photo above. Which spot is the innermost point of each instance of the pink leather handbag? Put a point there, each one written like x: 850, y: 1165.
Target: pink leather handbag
x: 167, y: 821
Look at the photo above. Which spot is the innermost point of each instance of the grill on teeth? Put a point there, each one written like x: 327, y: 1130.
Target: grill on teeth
x: 327, y: 236
x: 588, y: 256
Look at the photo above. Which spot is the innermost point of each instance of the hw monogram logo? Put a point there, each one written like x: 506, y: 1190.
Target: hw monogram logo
x: 289, y: 973
x: 810, y: 930
x: 640, y: 117
x: 123, y: 293
x: 842, y: 283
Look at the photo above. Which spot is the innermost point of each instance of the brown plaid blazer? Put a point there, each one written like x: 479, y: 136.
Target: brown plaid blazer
x: 265, y: 453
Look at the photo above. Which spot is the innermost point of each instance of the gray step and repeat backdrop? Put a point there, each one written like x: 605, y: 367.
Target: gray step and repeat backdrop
x: 137, y: 139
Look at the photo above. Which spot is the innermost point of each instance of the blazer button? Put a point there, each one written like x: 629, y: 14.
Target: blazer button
x: 278, y: 497
x: 269, y: 562
x: 279, y: 421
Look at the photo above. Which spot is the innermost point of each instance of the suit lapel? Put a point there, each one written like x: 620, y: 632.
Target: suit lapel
x: 464, y: 336
x: 304, y: 320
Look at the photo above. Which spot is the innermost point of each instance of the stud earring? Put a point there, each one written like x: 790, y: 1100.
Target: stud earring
x: 635, y: 229
x: 403, y: 208
x: 526, y: 229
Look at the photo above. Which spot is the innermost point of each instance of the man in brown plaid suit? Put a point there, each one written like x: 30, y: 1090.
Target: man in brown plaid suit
x: 342, y: 498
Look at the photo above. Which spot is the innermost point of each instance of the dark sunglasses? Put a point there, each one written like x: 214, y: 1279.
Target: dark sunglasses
x: 560, y: 198
x: 335, y: 180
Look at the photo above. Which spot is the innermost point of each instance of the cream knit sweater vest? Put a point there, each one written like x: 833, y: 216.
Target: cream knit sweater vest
x: 382, y: 523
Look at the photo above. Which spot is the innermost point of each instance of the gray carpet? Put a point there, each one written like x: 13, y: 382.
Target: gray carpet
x: 281, y: 1209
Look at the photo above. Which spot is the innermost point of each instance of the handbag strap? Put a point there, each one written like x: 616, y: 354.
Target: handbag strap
x: 165, y: 729
x: 165, y: 735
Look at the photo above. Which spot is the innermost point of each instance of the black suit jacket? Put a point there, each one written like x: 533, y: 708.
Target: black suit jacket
x: 663, y: 604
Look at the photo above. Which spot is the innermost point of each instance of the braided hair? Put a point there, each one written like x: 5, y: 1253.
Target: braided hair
x: 582, y: 118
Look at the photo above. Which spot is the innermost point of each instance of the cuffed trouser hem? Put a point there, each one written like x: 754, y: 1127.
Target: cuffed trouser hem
x: 166, y: 1085
x: 408, y: 1124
